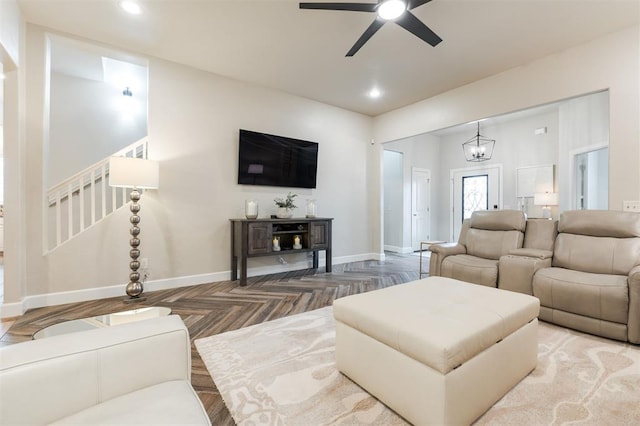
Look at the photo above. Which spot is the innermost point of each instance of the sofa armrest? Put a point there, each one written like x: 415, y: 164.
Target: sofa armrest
x: 516, y: 271
x: 439, y: 252
x: 532, y: 252
x: 448, y: 249
x: 64, y: 374
x: 633, y: 324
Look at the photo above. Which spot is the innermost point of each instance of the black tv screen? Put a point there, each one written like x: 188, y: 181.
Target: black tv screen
x: 271, y: 160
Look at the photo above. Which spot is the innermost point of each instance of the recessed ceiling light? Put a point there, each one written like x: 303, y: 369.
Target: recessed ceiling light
x: 374, y: 93
x: 131, y: 7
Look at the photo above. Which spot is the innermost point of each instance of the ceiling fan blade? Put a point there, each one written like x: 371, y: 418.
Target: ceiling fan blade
x: 409, y: 22
x: 368, y: 33
x: 412, y: 4
x: 355, y: 7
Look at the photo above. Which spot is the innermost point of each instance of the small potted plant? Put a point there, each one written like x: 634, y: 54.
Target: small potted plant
x: 285, y: 206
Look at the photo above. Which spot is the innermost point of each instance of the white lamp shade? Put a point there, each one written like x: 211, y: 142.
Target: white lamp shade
x: 130, y: 172
x: 545, y: 199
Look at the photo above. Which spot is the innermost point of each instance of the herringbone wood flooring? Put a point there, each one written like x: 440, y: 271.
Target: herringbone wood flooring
x: 214, y: 308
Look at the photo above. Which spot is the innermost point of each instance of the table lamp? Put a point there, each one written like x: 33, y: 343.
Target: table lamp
x: 545, y: 199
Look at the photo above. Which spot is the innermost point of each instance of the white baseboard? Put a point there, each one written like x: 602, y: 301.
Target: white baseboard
x: 396, y: 249
x: 8, y: 310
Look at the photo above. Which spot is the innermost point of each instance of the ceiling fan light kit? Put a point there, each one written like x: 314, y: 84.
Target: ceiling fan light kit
x: 391, y: 9
x: 397, y: 11
x: 478, y: 148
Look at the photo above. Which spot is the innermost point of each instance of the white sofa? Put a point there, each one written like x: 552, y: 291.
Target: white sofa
x: 136, y: 373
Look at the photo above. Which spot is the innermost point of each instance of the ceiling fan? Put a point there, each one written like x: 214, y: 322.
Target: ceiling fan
x: 397, y: 11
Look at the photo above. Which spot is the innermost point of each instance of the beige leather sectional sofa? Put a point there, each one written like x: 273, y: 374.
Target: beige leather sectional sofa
x: 584, y: 268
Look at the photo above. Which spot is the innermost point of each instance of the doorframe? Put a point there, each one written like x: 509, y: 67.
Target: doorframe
x: 452, y: 173
x: 572, y: 169
x: 415, y: 244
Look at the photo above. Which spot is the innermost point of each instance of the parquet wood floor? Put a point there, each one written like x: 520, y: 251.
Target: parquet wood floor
x: 214, y: 308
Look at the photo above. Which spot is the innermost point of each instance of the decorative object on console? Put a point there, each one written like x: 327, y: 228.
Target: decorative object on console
x: 135, y: 173
x: 546, y: 199
x: 311, y: 208
x: 285, y: 206
x: 296, y: 242
x: 251, y: 209
x: 276, y: 244
x: 478, y: 148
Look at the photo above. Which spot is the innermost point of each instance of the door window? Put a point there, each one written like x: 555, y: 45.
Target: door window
x: 475, y: 190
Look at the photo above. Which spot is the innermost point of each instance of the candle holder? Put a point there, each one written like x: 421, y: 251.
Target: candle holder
x: 311, y: 208
x: 276, y: 243
x: 297, y: 242
x: 251, y: 209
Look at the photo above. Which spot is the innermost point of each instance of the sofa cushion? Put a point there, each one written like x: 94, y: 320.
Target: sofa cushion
x: 471, y: 269
x: 600, y: 223
x: 168, y: 403
x: 492, y: 244
x: 598, y: 255
x: 600, y: 296
x: 540, y: 234
x: 498, y: 220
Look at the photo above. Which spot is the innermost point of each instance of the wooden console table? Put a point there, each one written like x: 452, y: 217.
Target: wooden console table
x: 255, y: 238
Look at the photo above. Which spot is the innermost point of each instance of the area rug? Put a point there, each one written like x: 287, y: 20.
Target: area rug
x: 282, y: 372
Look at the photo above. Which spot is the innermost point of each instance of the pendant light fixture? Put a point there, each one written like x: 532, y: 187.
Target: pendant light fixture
x: 478, y: 148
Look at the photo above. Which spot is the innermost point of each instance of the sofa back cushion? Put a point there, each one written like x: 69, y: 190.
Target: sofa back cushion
x: 598, y: 255
x: 540, y: 234
x: 600, y: 223
x: 492, y: 244
x: 492, y: 233
x: 498, y: 220
x: 598, y: 241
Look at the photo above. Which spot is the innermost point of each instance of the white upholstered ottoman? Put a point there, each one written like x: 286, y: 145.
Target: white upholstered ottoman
x: 437, y: 350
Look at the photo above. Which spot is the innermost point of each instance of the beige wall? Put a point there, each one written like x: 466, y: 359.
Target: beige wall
x: 194, y: 119
x: 12, y: 52
x: 193, y: 122
x: 610, y: 62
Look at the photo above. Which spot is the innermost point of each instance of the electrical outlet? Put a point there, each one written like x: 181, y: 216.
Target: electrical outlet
x: 144, y: 263
x: 631, y: 206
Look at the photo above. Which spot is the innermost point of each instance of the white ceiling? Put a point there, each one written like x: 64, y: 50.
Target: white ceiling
x: 275, y: 44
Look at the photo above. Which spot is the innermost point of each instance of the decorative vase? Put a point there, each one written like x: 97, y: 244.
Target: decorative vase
x: 251, y: 209
x: 311, y: 208
x: 284, y: 213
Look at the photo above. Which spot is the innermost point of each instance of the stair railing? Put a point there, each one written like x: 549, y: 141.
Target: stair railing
x: 86, y: 198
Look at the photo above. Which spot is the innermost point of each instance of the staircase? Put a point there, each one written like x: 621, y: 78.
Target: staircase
x: 86, y: 198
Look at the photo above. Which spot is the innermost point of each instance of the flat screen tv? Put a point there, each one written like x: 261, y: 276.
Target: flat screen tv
x: 271, y: 160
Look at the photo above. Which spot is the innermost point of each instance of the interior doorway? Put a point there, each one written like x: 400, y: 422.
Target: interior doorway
x: 590, y: 179
x: 473, y: 188
x: 393, y: 183
x: 420, y: 206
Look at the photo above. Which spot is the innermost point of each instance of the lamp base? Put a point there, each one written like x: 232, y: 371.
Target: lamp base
x: 134, y: 299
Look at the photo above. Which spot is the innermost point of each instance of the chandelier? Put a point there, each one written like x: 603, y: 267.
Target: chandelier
x: 478, y: 148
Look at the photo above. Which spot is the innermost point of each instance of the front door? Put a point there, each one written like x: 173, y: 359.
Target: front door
x: 474, y: 188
